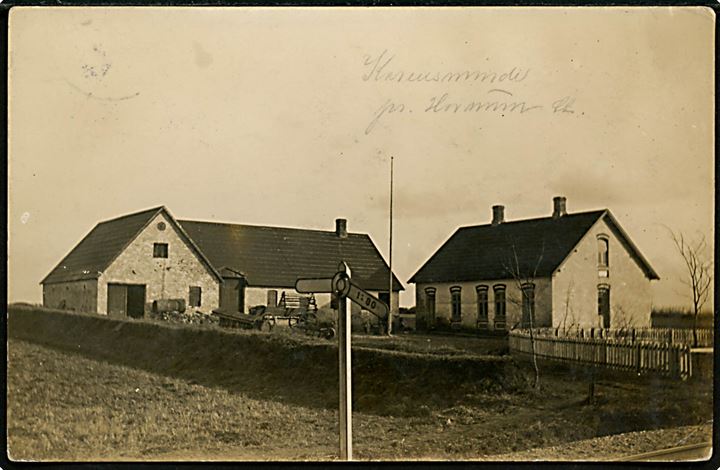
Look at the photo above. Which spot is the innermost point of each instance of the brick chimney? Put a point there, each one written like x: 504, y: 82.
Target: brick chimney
x: 559, y: 207
x: 498, y: 215
x: 341, y: 228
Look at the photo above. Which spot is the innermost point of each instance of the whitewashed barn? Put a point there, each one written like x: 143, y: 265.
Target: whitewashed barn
x: 125, y: 264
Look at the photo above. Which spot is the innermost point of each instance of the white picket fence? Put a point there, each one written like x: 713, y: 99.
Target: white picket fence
x: 641, y: 357
x: 682, y: 336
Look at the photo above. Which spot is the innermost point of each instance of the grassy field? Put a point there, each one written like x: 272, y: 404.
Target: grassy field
x: 435, y: 344
x: 66, y: 406
x: 295, y: 369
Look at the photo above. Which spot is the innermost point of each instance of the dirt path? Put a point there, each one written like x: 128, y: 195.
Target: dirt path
x: 617, y: 446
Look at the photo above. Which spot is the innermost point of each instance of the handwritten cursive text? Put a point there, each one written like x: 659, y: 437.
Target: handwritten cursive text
x: 379, y: 69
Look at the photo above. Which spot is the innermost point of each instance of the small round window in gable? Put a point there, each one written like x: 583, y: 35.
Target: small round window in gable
x: 161, y: 226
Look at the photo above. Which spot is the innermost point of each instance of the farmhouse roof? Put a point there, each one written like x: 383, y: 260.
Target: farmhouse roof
x: 524, y: 248
x: 277, y: 256
x: 99, y: 248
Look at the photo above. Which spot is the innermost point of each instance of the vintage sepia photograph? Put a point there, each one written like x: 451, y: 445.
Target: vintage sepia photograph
x: 242, y: 234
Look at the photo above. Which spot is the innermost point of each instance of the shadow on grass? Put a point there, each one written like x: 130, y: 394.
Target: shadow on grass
x: 623, y: 401
x: 280, y: 367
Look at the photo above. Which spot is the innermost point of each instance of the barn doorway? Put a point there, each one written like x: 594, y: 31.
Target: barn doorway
x: 126, y: 300
x: 232, y: 295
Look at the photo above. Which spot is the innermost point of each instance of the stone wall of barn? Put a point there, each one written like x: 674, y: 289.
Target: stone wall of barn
x: 576, y: 283
x: 469, y: 303
x: 165, y: 278
x: 79, y: 296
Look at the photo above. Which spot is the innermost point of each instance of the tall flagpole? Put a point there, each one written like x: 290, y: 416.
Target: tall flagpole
x: 390, y: 290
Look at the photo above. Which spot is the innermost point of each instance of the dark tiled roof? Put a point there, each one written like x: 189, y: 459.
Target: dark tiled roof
x: 532, y: 248
x: 100, y: 247
x: 106, y: 241
x: 276, y: 256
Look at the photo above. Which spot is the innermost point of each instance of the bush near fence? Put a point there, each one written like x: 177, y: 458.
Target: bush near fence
x: 680, y: 319
x: 640, y: 357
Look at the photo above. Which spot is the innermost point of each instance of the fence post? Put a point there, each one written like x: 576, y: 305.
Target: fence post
x: 648, y: 353
x: 675, y: 362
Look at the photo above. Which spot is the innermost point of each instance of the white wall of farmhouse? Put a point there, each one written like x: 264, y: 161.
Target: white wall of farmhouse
x: 569, y: 297
x: 80, y: 296
x: 469, y: 301
x: 165, y: 278
x: 576, y: 282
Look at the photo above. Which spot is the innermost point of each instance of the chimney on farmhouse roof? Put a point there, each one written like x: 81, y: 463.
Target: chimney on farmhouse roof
x: 559, y: 207
x: 498, y: 215
x: 341, y: 228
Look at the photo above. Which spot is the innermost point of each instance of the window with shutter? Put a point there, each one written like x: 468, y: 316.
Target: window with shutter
x: 482, y: 306
x: 195, y: 296
x: 499, y: 292
x: 160, y: 250
x: 456, y: 303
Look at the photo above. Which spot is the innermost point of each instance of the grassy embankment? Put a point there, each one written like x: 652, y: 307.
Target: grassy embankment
x: 293, y: 368
x: 109, y: 389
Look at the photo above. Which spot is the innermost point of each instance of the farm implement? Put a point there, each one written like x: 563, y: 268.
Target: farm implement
x: 254, y: 320
x: 296, y: 312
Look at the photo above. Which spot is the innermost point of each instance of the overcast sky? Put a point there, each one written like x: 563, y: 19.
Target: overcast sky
x: 288, y: 117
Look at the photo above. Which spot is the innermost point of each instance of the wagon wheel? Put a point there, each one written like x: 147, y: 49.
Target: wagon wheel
x: 329, y: 333
x: 266, y: 326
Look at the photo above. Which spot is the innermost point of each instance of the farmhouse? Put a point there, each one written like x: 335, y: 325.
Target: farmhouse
x: 125, y: 264
x: 565, y: 270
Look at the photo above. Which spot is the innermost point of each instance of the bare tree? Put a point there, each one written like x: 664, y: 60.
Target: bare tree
x: 623, y: 319
x: 699, y: 273
x: 524, y: 275
x: 569, y: 311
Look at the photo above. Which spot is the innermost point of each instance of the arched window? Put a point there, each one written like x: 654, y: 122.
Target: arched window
x: 430, y: 304
x: 604, y: 305
x: 456, y: 302
x: 499, y: 293
x: 482, y: 306
x: 603, y: 251
x: 528, y: 305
